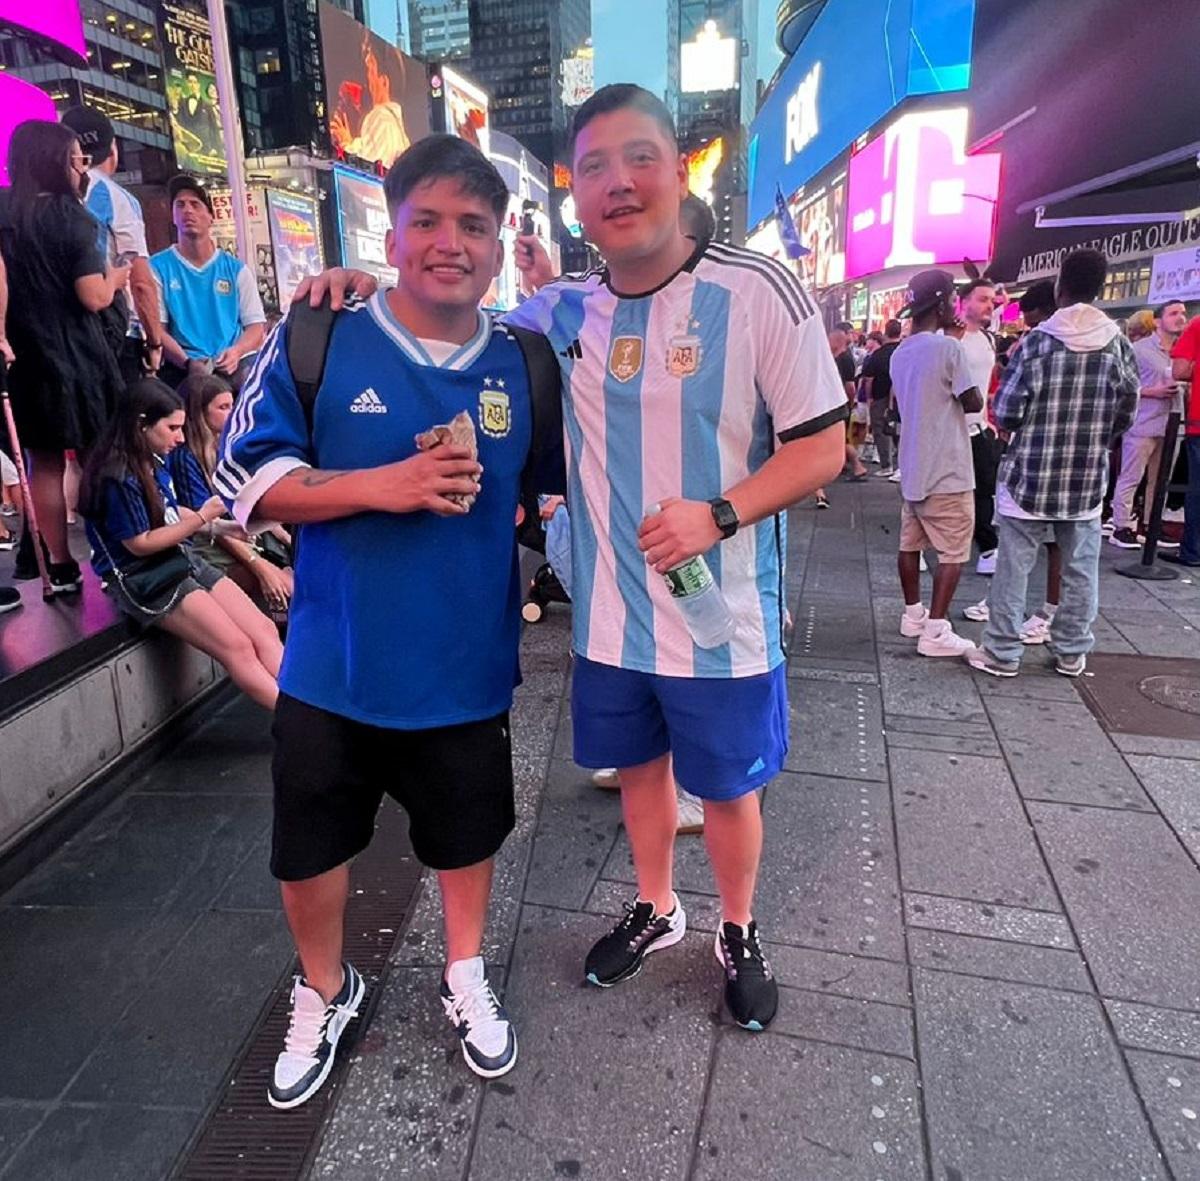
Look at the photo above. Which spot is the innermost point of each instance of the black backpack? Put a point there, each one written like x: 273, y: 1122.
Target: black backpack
x: 307, y: 334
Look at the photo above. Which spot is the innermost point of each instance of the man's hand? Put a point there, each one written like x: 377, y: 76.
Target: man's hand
x: 423, y: 482
x: 227, y: 361
x: 120, y: 277
x: 533, y: 262
x: 552, y: 505
x: 6, y: 351
x: 335, y: 282
x: 683, y: 529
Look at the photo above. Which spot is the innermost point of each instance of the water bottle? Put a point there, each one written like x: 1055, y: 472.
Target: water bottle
x: 700, y: 600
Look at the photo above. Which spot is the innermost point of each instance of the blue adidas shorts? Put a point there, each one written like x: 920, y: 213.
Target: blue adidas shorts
x: 727, y: 737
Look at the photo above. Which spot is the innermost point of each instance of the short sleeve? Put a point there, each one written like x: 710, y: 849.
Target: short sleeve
x: 191, y: 487
x: 128, y: 227
x: 267, y: 435
x: 961, y: 377
x: 794, y: 369
x: 81, y: 243
x: 250, y: 308
x: 537, y: 312
x: 1187, y: 347
x: 125, y: 512
x: 160, y: 290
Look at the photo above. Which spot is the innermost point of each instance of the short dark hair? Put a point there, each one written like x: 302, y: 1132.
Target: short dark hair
x: 1160, y: 311
x: 1038, y: 298
x: 963, y: 292
x: 893, y: 330
x: 624, y: 96
x: 877, y: 337
x: 438, y: 156
x: 845, y: 326
x: 696, y: 217
x: 1081, y: 277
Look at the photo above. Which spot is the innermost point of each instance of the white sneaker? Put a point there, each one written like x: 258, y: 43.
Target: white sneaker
x: 895, y: 476
x: 607, y: 778
x: 940, y: 639
x: 691, y: 814
x: 922, y: 565
x: 1036, y: 629
x: 886, y: 472
x: 489, y: 1042
x: 977, y: 612
x: 913, y: 629
x: 1070, y: 666
x: 986, y: 563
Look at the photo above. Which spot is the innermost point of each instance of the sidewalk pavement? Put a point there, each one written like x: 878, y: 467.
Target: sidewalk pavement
x: 980, y: 905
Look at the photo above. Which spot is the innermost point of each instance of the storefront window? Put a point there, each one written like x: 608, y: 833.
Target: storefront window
x: 1128, y: 282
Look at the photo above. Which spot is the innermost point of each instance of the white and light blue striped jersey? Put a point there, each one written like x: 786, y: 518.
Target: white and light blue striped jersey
x: 122, y: 226
x: 682, y: 392
x: 206, y: 308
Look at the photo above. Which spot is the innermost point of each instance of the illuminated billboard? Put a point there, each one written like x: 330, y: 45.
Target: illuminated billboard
x: 295, y: 240
x: 859, y: 60
x: 710, y: 62
x: 363, y: 224
x: 376, y: 96
x: 578, y: 77
x: 917, y: 199
x: 56, y: 20
x: 191, y: 87
x: 19, y: 100
x: 466, y: 109
x: 702, y: 167
x: 820, y: 217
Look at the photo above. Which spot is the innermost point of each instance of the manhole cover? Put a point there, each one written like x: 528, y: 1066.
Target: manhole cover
x: 1181, y: 693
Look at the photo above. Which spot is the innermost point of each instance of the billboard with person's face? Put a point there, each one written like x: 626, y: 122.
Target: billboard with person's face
x: 376, y: 96
x: 466, y: 110
x: 191, y: 87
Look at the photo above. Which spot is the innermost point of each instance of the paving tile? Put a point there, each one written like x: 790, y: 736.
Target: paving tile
x: 693, y: 873
x: 154, y: 851
x: 838, y: 974
x: 221, y: 973
x: 1133, y: 895
x: 1170, y: 1089
x: 985, y: 748
x: 966, y: 917
x: 17, y: 1120
x: 997, y: 959
x: 917, y: 686
x: 1059, y: 752
x: 963, y: 832
x: 1025, y: 1082
x: 836, y: 730
x: 1036, y: 683
x: 1172, y: 785
x: 230, y: 753
x: 1145, y: 1027
x: 109, y: 1143
x: 866, y: 1125
x: 845, y: 1021
x: 847, y: 674
x: 56, y: 1012
x: 1162, y: 634
x: 831, y: 629
x: 252, y: 887
x: 1167, y: 748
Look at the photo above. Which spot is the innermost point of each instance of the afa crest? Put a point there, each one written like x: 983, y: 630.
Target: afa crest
x: 495, y: 413
x: 625, y: 357
x: 224, y: 287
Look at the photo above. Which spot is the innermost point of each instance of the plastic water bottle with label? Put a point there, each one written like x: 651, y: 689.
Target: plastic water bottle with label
x: 699, y: 599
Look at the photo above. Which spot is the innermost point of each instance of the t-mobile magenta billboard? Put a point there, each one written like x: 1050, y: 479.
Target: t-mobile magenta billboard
x: 56, y: 20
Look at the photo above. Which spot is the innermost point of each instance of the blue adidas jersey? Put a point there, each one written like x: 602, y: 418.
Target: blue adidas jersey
x: 127, y: 515
x: 205, y: 308
x: 684, y: 392
x: 399, y: 621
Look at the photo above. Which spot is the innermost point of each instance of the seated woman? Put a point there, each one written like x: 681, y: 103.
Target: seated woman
x: 208, y: 403
x: 140, y: 537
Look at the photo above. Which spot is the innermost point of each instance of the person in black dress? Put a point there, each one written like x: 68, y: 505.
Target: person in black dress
x: 64, y: 380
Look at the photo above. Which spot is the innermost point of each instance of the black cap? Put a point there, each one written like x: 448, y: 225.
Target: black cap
x: 925, y: 291
x: 189, y: 184
x: 94, y: 131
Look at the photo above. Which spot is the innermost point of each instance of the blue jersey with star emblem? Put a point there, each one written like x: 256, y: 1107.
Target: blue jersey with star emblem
x: 400, y: 621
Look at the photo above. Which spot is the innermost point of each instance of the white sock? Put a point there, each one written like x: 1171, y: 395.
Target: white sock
x: 936, y: 627
x: 462, y: 974
x: 915, y: 610
x: 1048, y: 609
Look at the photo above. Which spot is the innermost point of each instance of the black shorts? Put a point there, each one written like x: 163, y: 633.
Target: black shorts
x: 331, y: 774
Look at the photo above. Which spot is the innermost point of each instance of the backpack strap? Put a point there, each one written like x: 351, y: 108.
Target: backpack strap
x: 307, y: 336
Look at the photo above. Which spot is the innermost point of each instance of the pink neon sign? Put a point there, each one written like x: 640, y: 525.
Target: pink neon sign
x: 57, y: 20
x: 917, y: 199
x: 19, y: 100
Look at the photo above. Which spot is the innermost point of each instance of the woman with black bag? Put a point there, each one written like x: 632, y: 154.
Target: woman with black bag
x: 141, y: 544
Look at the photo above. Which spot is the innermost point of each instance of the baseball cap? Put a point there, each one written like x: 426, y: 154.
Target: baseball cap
x: 94, y: 131
x: 925, y: 291
x: 188, y: 184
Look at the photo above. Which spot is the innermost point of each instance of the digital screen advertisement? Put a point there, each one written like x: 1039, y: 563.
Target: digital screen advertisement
x: 820, y: 216
x: 376, y: 96
x: 191, y: 88
x: 363, y: 224
x: 294, y: 222
x: 466, y: 110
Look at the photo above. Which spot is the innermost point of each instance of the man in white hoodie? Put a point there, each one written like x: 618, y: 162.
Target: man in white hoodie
x: 1068, y: 392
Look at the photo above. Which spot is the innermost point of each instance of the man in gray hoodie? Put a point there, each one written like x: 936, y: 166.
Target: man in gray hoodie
x: 1069, y: 391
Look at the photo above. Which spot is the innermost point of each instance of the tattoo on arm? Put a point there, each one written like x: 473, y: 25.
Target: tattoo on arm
x: 314, y: 479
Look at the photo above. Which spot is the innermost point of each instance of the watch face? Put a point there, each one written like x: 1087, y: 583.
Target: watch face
x: 725, y: 516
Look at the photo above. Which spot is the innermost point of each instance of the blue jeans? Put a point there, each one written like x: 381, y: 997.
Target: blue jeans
x: 1071, y: 629
x: 1190, y: 550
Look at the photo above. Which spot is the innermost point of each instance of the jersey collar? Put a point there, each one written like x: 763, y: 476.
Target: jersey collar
x: 462, y: 358
x: 689, y: 266
x: 191, y: 266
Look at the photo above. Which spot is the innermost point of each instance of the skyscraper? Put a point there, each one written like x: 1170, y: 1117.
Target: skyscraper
x: 440, y: 30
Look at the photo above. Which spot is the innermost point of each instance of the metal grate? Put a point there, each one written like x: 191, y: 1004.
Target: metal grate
x: 244, y: 1138
x: 1155, y: 696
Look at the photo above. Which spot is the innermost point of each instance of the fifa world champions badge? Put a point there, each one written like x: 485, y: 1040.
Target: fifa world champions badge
x: 625, y: 357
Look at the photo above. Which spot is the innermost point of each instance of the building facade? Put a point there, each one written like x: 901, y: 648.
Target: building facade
x: 440, y: 30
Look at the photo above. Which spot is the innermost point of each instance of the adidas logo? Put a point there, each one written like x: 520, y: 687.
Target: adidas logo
x: 368, y: 402
x: 573, y: 351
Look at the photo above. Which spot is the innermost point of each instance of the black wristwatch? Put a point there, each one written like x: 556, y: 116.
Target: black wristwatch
x: 725, y: 516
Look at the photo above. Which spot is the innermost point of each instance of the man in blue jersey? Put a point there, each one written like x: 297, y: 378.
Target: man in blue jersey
x: 402, y: 645
x: 211, y: 313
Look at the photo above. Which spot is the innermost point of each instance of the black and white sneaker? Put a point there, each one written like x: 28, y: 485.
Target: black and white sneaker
x: 489, y: 1042
x: 619, y: 954
x: 750, y: 989
x: 312, y: 1039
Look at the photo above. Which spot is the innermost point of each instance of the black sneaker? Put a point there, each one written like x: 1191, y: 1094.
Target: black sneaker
x: 10, y: 599
x: 312, y: 1039
x: 619, y: 955
x: 750, y: 989
x: 65, y: 577
x: 489, y: 1042
x: 1125, y: 539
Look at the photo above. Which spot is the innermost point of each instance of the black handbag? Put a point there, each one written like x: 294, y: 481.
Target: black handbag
x: 144, y: 580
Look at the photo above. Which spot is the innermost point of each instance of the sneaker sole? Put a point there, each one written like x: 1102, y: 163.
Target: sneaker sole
x: 1124, y: 544
x: 993, y: 672
x: 485, y: 1073
x: 319, y: 1081
x: 1035, y: 639
x: 1070, y: 672
x: 975, y: 618
x: 751, y: 1026
x: 6, y: 607
x: 668, y: 940
x: 956, y: 653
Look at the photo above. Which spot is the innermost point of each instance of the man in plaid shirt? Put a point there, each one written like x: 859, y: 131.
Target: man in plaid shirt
x: 1069, y: 390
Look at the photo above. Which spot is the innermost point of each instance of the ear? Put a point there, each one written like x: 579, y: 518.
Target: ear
x: 389, y: 247
x: 499, y: 258
x: 682, y: 175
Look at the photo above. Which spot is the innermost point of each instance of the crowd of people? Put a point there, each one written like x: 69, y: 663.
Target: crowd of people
x: 205, y: 441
